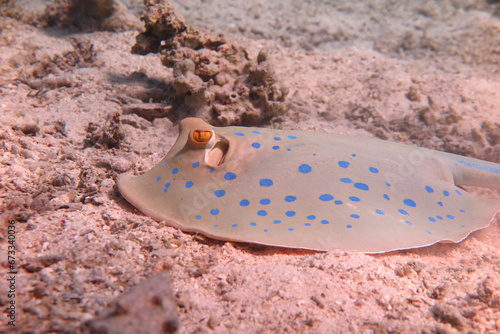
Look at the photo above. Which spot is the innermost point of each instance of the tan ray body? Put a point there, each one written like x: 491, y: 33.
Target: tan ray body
x: 312, y: 190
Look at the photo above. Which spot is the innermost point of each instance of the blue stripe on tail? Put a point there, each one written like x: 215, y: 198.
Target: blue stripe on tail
x: 478, y: 166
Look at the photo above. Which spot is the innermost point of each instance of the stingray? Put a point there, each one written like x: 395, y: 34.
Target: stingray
x: 312, y: 190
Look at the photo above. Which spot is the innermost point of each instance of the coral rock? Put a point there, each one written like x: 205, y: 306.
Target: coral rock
x: 213, y: 78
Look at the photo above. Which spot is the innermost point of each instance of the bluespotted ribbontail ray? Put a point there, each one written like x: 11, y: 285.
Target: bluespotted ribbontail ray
x: 313, y: 190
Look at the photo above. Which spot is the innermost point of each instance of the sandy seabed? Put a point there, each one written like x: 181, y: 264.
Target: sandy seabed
x: 363, y: 68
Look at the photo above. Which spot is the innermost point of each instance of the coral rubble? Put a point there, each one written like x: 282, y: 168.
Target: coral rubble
x: 213, y: 78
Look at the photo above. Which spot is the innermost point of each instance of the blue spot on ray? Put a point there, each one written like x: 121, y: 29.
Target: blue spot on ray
x: 277, y: 222
x: 230, y: 176
x: 219, y: 193
x: 262, y: 213
x: 404, y: 212
x: 195, y: 164
x: 266, y: 182
x: 432, y: 219
x: 234, y: 225
x: 265, y: 201
x: 374, y: 170
x: 198, y: 217
x: 354, y: 216
x: 409, y: 202
x: 277, y: 138
x: 446, y: 193
x: 361, y: 186
x: 189, y: 184
x: 326, y: 197
x: 158, y: 178
x: 214, y: 212
x: 325, y: 222
x: 175, y: 171
x: 348, y: 226
x: 311, y: 217
x: 380, y: 212
x: 290, y: 213
x: 355, y: 199
x: 290, y: 198
x: 239, y: 134
x: 345, y: 180
x: 253, y: 224
x: 305, y: 168
x: 338, y: 202
x: 244, y: 202
x: 275, y: 147
x: 344, y: 164
x: 387, y: 197
x: 292, y: 137
x: 256, y: 145
x: 430, y: 190
x: 257, y: 132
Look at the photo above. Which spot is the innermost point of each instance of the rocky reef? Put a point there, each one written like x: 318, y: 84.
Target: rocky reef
x: 213, y: 78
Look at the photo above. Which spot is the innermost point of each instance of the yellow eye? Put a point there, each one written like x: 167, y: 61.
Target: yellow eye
x: 199, y: 138
x: 202, y: 136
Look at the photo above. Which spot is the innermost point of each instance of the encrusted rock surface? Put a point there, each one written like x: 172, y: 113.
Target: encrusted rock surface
x: 213, y: 78
x: 149, y: 307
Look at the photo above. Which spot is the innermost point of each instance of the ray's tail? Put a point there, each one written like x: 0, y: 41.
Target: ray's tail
x: 474, y: 172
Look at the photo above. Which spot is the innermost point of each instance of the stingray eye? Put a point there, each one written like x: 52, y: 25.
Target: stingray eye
x: 199, y: 138
x: 202, y: 136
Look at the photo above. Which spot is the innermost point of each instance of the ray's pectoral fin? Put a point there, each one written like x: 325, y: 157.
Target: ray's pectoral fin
x: 312, y: 190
